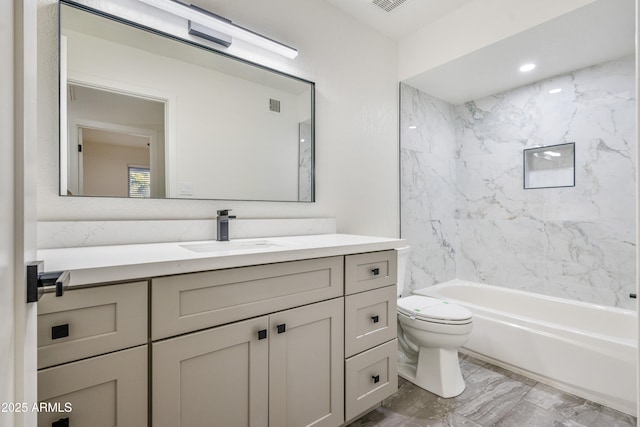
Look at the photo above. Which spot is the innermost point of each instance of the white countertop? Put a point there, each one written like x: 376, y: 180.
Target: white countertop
x: 129, y: 262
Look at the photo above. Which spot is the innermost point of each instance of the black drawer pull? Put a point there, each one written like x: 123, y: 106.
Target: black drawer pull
x: 375, y: 319
x: 59, y: 331
x: 376, y: 379
x: 62, y: 422
x: 282, y: 328
x: 262, y: 334
x: 632, y: 295
x: 375, y: 271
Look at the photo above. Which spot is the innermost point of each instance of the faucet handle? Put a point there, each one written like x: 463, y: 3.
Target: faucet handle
x: 224, y: 212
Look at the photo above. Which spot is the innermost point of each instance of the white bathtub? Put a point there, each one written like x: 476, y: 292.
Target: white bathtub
x: 585, y: 349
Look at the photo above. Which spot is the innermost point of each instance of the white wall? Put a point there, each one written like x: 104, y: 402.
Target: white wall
x: 7, y: 322
x: 355, y: 71
x: 106, y: 167
x: 18, y: 172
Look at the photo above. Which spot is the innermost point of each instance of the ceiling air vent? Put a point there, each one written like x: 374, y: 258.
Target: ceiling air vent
x: 388, y: 5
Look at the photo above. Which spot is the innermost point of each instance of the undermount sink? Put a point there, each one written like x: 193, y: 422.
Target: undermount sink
x: 229, y: 246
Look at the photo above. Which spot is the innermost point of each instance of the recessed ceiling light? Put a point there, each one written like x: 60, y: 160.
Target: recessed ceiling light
x: 527, y: 67
x: 556, y: 90
x: 413, y: 127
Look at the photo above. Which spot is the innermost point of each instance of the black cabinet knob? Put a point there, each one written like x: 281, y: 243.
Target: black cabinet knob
x: 262, y: 334
x: 376, y: 379
x: 59, y: 331
x: 375, y: 319
x: 375, y: 271
x: 281, y: 328
x: 633, y: 295
x: 62, y: 422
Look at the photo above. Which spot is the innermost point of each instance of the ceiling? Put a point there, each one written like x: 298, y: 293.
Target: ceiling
x: 407, y: 18
x: 598, y: 32
x: 124, y: 139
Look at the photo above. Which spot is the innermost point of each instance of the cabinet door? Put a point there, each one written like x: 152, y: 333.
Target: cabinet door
x: 103, y: 391
x: 218, y: 377
x: 306, y: 359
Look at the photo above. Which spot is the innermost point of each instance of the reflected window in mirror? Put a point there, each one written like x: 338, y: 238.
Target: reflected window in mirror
x: 139, y: 181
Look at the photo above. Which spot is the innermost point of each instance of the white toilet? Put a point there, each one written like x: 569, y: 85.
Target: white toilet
x: 430, y: 331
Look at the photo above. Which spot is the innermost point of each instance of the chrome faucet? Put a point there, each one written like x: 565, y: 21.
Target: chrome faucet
x: 223, y: 224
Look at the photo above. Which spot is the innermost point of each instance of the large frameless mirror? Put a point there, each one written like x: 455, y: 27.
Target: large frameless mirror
x: 144, y: 114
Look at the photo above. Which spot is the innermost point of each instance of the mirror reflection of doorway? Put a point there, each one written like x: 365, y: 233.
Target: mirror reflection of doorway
x: 113, y: 163
x: 116, y: 144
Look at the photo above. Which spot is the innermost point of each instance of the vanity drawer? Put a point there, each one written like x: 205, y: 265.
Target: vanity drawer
x: 91, y: 321
x: 103, y: 391
x: 196, y: 301
x: 370, y: 377
x: 370, y: 319
x: 368, y: 271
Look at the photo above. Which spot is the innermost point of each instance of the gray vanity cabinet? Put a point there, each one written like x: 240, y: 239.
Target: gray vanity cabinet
x: 102, y: 391
x: 217, y: 377
x: 285, y: 369
x: 190, y: 302
x: 306, y: 366
x: 289, y: 344
x: 93, y: 353
x: 261, y: 345
x: 371, y: 346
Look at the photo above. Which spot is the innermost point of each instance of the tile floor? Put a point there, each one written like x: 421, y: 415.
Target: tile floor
x: 493, y: 397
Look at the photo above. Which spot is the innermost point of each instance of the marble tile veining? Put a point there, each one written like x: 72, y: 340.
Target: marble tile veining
x: 494, y: 397
x: 464, y: 209
x: 71, y: 234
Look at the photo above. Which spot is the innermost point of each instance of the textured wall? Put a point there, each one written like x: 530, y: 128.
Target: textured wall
x: 576, y: 242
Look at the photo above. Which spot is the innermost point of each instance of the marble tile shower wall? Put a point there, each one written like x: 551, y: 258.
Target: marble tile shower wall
x: 464, y: 209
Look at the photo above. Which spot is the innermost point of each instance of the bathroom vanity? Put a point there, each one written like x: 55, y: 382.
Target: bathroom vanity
x: 287, y: 331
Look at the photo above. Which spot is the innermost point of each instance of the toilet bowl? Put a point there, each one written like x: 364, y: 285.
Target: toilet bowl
x: 430, y: 331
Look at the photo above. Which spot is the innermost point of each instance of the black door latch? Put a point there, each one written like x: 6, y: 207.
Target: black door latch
x: 39, y: 282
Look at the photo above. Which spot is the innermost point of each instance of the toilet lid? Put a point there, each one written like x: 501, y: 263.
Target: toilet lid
x: 427, y: 308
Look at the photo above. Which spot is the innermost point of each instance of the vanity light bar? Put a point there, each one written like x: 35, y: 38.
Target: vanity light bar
x: 226, y: 27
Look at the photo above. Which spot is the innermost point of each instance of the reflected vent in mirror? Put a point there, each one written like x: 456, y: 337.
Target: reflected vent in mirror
x: 274, y: 105
x: 388, y: 5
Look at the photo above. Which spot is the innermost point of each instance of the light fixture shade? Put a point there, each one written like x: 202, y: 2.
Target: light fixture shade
x: 223, y: 26
x: 205, y: 32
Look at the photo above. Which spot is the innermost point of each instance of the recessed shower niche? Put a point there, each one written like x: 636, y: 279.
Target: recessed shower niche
x: 549, y: 166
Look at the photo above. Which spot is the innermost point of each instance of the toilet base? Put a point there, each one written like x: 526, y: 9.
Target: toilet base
x: 437, y: 371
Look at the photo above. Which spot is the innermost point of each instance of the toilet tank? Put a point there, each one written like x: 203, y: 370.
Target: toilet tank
x: 403, y: 261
